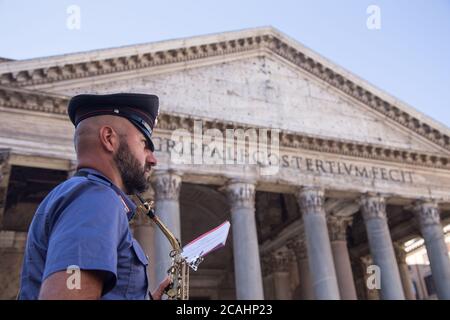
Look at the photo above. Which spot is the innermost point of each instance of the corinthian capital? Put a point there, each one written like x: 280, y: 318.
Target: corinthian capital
x: 240, y: 194
x: 373, y: 206
x: 166, y: 185
x: 427, y: 213
x: 337, y: 227
x: 298, y: 246
x: 276, y: 262
x: 281, y: 261
x: 311, y: 200
x: 266, y: 265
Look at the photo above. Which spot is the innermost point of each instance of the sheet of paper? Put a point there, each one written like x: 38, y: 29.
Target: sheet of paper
x: 206, y: 243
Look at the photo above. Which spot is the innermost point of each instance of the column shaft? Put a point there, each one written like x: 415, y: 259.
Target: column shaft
x: 381, y: 248
x: 5, y: 172
x: 166, y: 185
x: 338, y: 236
x: 404, y: 272
x: 430, y: 226
x: 247, y: 266
x: 318, y: 244
x: 298, y: 246
x: 277, y: 265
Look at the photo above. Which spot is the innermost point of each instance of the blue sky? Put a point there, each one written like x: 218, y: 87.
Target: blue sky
x: 408, y: 57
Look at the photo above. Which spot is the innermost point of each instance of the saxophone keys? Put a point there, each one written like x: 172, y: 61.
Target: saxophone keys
x: 171, y: 293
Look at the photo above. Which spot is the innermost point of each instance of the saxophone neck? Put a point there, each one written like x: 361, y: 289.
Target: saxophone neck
x: 174, y: 242
x: 147, y: 208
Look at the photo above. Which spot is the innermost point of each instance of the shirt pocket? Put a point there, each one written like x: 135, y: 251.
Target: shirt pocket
x: 138, y: 285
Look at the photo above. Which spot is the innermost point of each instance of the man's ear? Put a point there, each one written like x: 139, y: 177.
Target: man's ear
x: 109, y: 139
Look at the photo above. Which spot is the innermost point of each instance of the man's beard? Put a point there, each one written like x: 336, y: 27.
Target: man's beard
x: 131, y: 171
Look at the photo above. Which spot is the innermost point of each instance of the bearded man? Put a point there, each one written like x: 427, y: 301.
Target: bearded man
x: 79, y: 244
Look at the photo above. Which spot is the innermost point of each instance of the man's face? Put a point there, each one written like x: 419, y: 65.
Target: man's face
x: 134, y: 161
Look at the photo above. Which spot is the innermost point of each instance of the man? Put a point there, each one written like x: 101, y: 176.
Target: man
x: 79, y: 243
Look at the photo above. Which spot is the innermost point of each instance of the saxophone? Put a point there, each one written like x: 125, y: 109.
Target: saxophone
x: 179, y: 269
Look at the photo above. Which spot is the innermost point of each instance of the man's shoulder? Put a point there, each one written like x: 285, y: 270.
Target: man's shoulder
x: 80, y: 185
x: 82, y: 191
x: 82, y: 198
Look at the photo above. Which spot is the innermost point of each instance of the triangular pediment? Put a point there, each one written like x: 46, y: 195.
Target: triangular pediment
x: 266, y: 92
x: 256, y: 77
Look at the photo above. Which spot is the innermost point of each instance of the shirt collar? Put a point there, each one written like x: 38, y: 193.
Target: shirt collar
x: 129, y: 205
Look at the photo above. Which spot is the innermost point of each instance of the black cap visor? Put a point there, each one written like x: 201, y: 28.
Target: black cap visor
x: 147, y: 134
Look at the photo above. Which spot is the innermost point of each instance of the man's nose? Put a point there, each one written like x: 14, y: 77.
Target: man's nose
x: 151, y: 159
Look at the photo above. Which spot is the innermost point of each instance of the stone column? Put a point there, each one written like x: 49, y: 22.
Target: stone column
x: 5, y: 171
x: 337, y: 227
x: 400, y: 254
x: 311, y: 201
x: 12, y: 248
x: 267, y: 276
x: 380, y: 243
x: 371, y: 293
x: 428, y: 216
x: 298, y: 246
x: 247, y: 266
x: 166, y: 185
x: 4, y: 164
x: 280, y: 262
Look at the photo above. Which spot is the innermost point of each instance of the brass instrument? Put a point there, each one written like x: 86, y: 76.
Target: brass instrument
x: 179, y: 269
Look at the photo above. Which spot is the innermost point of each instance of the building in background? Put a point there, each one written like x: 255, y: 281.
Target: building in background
x: 352, y: 173
x: 419, y: 266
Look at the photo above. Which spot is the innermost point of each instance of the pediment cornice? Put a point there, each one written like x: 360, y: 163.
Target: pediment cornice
x: 22, y: 73
x: 262, y: 40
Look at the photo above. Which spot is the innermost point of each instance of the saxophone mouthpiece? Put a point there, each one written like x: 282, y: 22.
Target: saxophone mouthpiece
x: 146, y: 207
x: 150, y: 209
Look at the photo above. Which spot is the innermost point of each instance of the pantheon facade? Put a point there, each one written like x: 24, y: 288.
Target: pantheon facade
x: 358, y: 172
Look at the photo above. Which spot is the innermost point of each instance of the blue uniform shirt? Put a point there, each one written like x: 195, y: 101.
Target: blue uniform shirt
x: 83, y: 222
